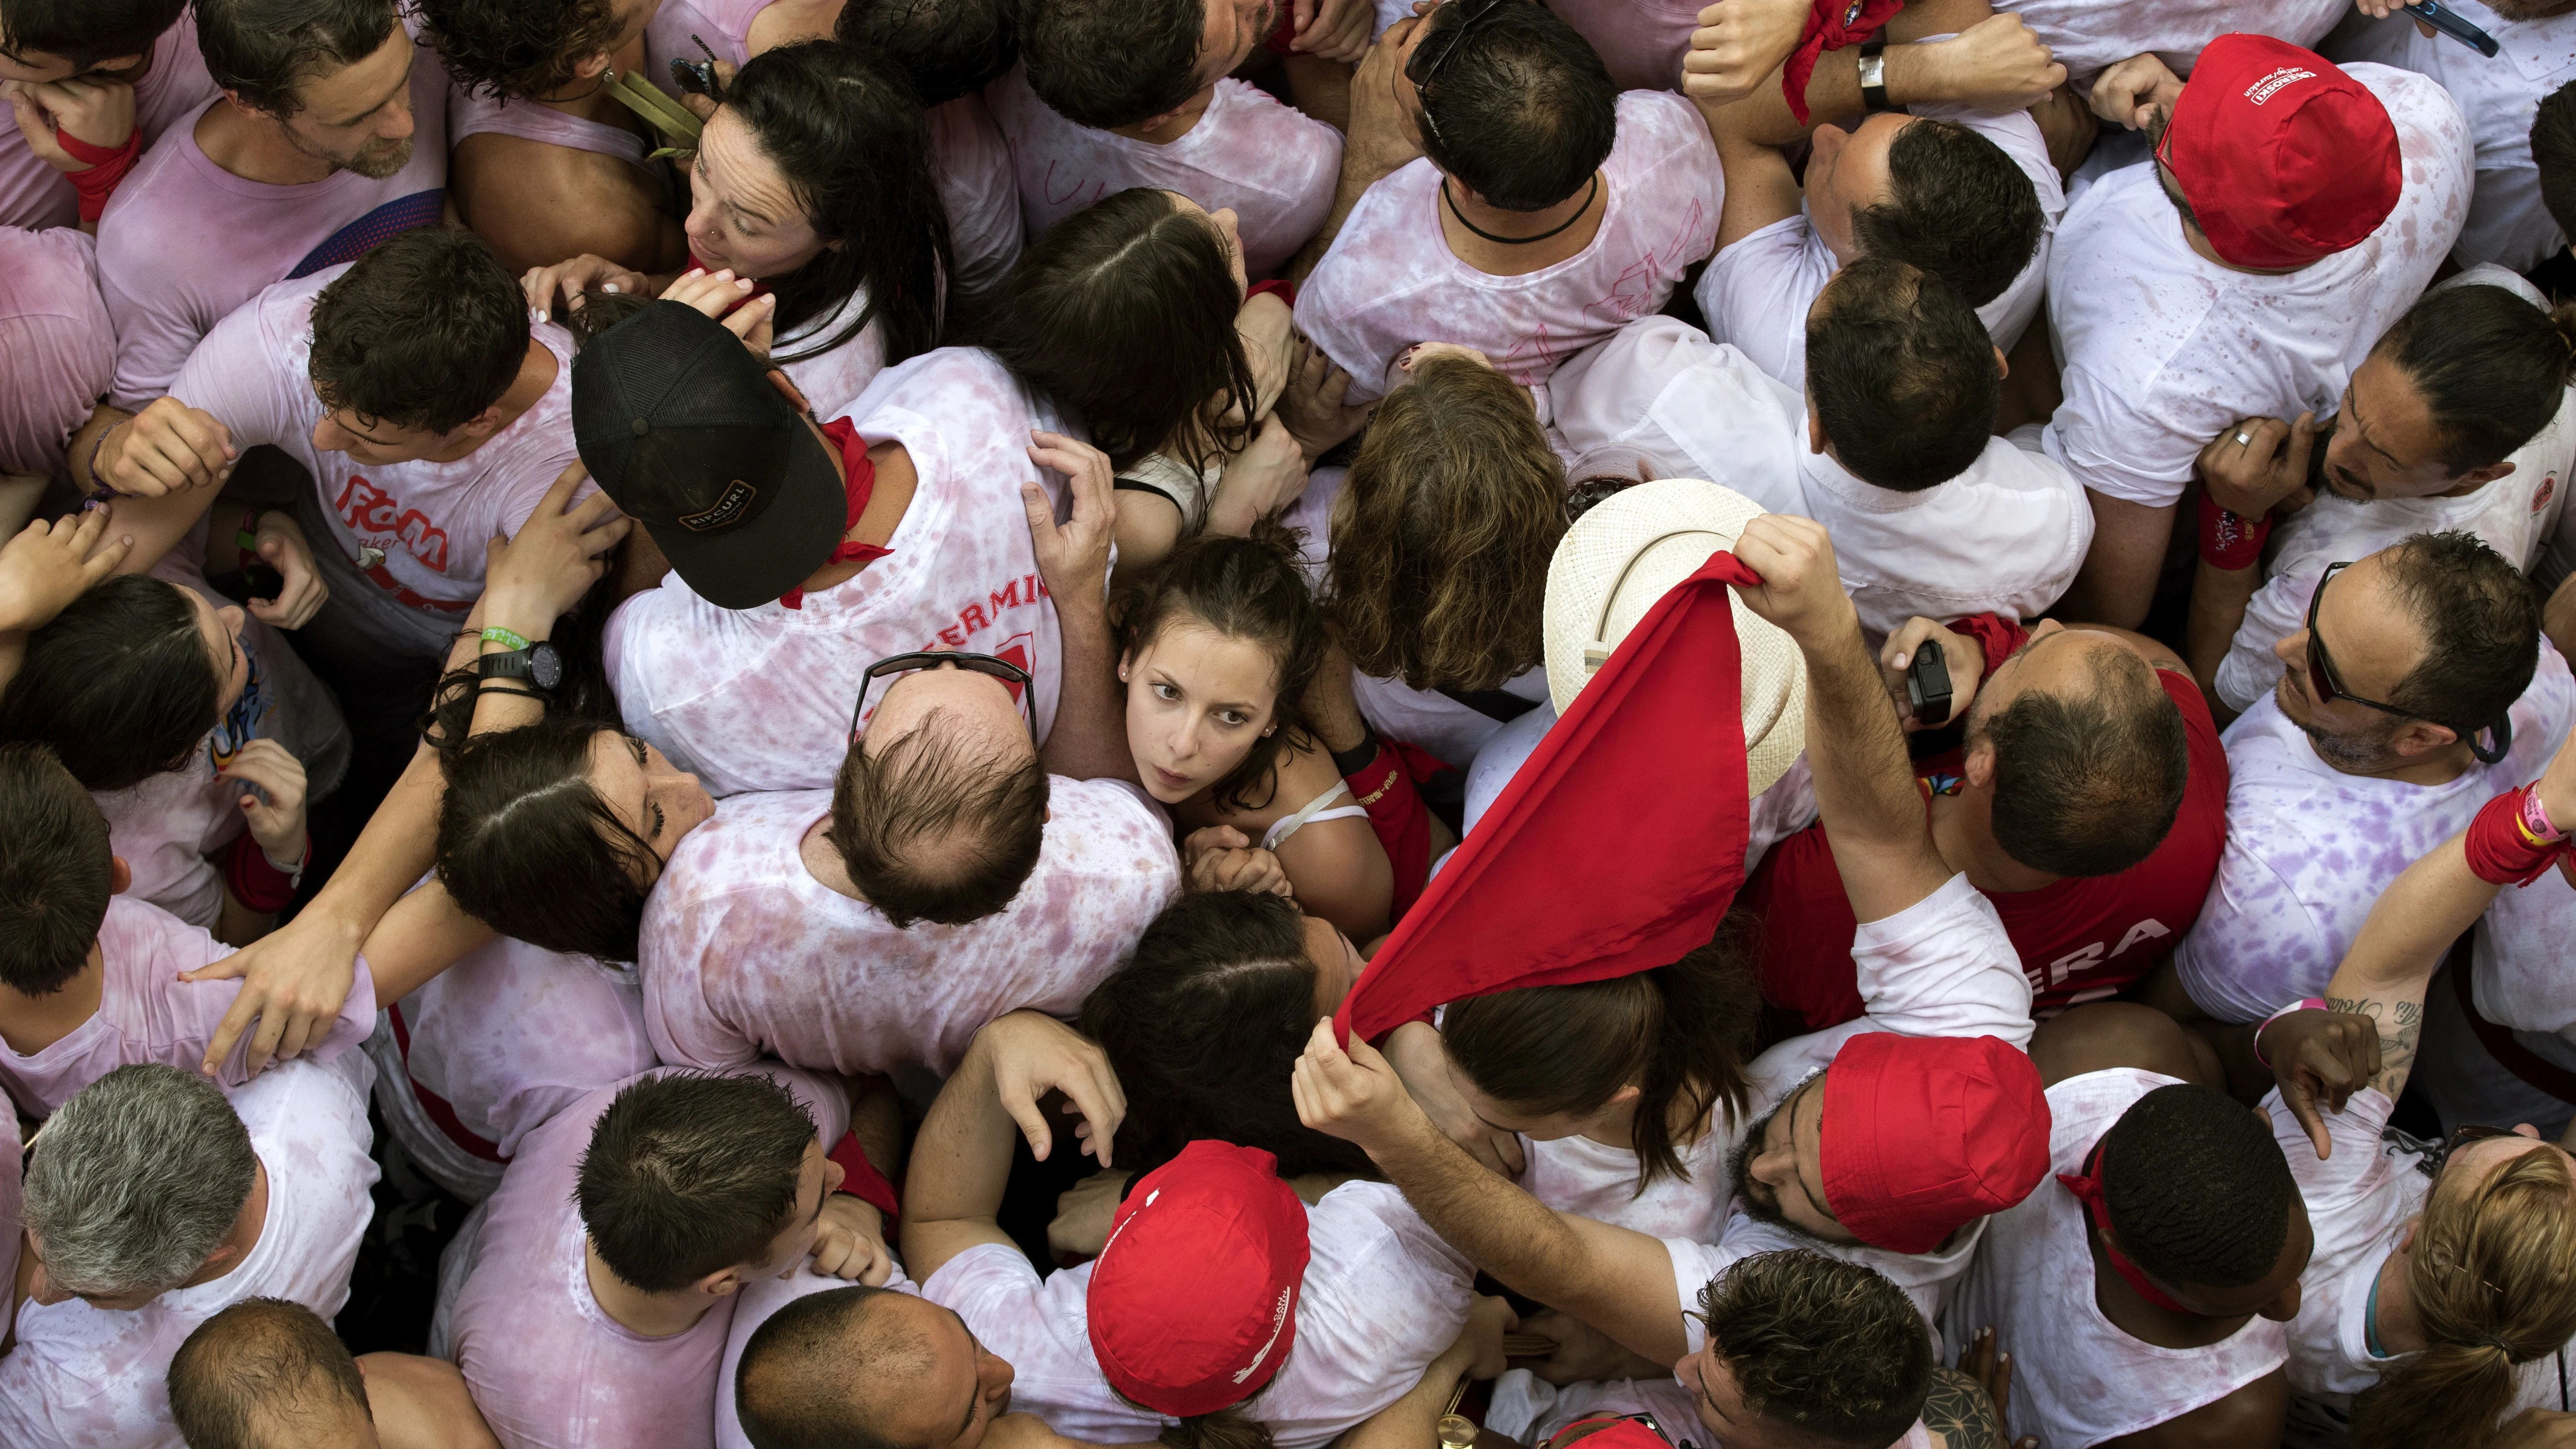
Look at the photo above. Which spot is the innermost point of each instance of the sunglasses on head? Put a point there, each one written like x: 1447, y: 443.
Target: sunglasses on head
x: 1001, y: 669
x: 1432, y: 54
x: 2462, y: 1136
x: 2327, y: 687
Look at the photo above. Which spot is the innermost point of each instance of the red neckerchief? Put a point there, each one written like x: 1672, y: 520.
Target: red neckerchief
x: 759, y: 288
x: 2088, y: 1191
x: 862, y: 482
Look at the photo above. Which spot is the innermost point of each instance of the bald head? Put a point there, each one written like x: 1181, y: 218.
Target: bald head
x: 851, y: 1368
x: 268, y: 1374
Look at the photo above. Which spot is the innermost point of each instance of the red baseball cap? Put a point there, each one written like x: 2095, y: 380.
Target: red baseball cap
x: 1193, y: 1300
x: 1925, y: 1133
x: 2284, y: 158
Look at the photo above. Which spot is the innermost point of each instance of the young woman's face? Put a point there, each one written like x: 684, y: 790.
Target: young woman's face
x: 221, y: 629
x: 1197, y: 702
x: 657, y: 800
x: 1223, y: 220
x: 743, y: 214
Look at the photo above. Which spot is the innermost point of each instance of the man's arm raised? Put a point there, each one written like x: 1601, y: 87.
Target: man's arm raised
x: 1864, y: 781
x: 1619, y: 1281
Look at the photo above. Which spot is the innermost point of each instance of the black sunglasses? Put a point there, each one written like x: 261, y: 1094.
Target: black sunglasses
x: 2466, y: 1133
x: 1426, y: 61
x: 2327, y: 688
x: 1001, y: 669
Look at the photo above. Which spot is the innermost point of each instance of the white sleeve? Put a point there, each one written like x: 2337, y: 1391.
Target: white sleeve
x: 2277, y: 610
x: 1943, y: 967
x: 2115, y: 447
x: 234, y: 374
x: 1755, y: 295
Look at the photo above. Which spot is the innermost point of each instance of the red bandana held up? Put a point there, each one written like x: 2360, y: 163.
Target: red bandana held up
x: 1629, y: 823
x: 1834, y: 25
x: 861, y: 483
x: 2088, y: 1191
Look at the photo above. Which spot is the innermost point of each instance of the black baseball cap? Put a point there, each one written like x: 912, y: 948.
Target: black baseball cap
x: 684, y: 431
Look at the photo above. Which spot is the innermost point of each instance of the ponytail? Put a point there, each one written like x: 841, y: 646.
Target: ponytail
x: 2493, y: 1278
x: 2492, y: 368
x: 1680, y: 1034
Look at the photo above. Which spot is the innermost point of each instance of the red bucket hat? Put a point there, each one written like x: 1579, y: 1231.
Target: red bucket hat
x: 2284, y: 158
x: 1925, y: 1133
x: 1193, y: 1300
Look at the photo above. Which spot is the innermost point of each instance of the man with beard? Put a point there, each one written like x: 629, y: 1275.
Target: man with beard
x: 2419, y: 688
x: 330, y: 135
x: 1883, y: 1142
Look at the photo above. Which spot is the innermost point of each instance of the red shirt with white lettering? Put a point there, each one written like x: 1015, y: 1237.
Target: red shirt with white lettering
x: 2080, y: 938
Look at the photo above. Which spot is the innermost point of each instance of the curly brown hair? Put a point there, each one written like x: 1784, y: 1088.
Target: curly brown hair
x: 1441, y: 542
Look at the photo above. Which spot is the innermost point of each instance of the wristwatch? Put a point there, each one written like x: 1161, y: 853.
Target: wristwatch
x: 538, y: 664
x: 1873, y: 78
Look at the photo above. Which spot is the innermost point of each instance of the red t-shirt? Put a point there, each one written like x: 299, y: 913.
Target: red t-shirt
x: 2080, y: 938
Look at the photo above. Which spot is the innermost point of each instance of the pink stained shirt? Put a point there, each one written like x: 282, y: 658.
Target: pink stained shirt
x: 759, y: 698
x: 972, y: 164
x: 513, y: 1034
x: 147, y: 1014
x: 1274, y: 165
x: 88, y: 1378
x: 243, y: 235
x: 1642, y: 42
x: 430, y: 520
x: 1390, y: 279
x: 33, y: 194
x: 57, y: 348
x: 546, y: 1364
x: 746, y: 955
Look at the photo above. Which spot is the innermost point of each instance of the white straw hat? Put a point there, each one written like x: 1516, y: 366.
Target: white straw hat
x: 1629, y: 551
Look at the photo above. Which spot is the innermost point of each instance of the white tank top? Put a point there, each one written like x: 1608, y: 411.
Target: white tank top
x: 2079, y: 1379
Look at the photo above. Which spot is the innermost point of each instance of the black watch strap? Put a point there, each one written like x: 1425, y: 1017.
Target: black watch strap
x: 521, y: 665
x: 1873, y: 76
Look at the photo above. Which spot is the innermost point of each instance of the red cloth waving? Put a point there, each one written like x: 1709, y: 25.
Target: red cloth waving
x: 1618, y: 845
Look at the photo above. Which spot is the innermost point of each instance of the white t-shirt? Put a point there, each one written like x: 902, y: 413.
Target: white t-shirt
x: 2515, y: 514
x: 57, y: 347
x: 2161, y: 350
x: 1274, y: 165
x: 507, y: 1037
x: 1660, y: 392
x: 759, y: 698
x: 427, y: 521
x: 2507, y: 221
x: 1390, y: 280
x: 1429, y: 720
x: 2004, y: 537
x: 88, y: 1378
x: 745, y: 954
x: 1382, y: 1296
x: 1597, y: 1180
x: 1941, y: 967
x: 2309, y: 848
x: 147, y: 1014
x: 546, y: 1364
x: 972, y: 165
x: 167, y: 826
x: 2078, y: 1378
x: 1756, y: 292
x: 2087, y: 36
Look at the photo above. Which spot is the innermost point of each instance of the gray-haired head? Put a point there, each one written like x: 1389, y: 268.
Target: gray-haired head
x: 134, y: 1182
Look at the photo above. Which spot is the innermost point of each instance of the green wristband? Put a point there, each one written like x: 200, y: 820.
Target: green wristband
x: 506, y: 638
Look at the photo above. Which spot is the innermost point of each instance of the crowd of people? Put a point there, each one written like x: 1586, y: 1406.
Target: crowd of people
x: 1361, y: 723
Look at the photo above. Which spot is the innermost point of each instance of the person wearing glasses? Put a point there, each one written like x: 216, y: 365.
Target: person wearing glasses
x: 1544, y: 211
x: 2457, y: 419
x: 2214, y: 279
x: 2442, y: 1297
x: 2418, y: 687
x: 944, y: 880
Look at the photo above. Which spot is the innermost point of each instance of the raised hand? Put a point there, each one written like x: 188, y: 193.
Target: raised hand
x: 277, y: 823
x: 1354, y: 1095
x: 1996, y: 64
x: 1333, y: 29
x: 2129, y: 94
x: 1965, y: 656
x: 1222, y: 858
x: 1073, y: 556
x: 727, y: 298
x: 2259, y: 464
x: 89, y: 108
x: 849, y: 1242
x: 1801, y: 591
x: 164, y: 448
x: 1315, y: 404
x: 570, y: 279
x: 47, y: 565
x: 536, y: 578
x: 1737, y: 46
x: 301, y: 593
x: 2320, y: 1057
x: 1034, y: 1054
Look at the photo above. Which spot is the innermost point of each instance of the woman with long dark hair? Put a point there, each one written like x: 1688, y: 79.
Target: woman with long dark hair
x: 1133, y: 315
x: 812, y: 180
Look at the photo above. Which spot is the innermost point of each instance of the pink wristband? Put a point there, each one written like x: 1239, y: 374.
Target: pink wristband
x: 2305, y: 1003
x: 2535, y: 816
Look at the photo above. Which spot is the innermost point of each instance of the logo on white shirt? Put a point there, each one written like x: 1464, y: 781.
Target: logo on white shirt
x: 2270, y: 85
